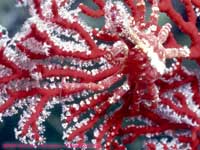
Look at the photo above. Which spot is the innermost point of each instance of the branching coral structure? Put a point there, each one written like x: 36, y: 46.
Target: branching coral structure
x: 112, y: 82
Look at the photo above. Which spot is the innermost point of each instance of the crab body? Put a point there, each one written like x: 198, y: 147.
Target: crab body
x: 144, y: 52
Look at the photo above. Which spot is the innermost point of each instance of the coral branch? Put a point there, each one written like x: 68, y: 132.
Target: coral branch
x: 114, y: 82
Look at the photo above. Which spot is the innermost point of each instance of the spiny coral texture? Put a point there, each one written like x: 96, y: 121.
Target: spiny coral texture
x: 110, y: 81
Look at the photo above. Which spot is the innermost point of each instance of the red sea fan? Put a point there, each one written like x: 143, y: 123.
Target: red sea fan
x: 112, y: 81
